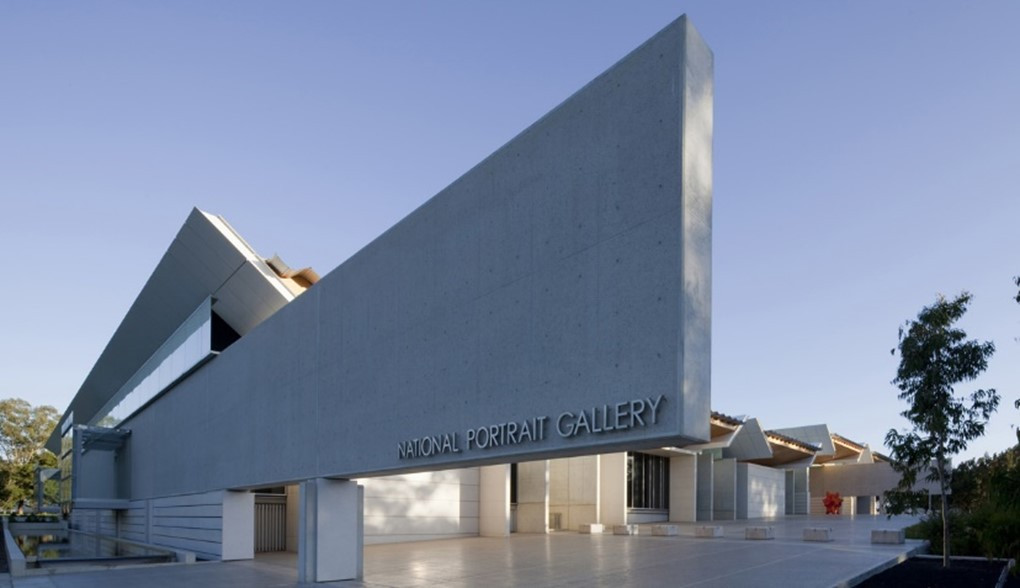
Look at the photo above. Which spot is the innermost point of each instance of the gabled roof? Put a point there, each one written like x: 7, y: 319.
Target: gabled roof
x: 206, y: 259
x: 725, y: 419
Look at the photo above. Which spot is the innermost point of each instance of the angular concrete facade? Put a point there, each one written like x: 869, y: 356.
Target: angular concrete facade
x: 554, y: 301
x: 563, y: 280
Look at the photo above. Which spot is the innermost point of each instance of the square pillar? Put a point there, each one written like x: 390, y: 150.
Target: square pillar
x: 705, y: 476
x: 802, y: 493
x: 238, y: 525
x: 494, y: 501
x: 613, y: 489
x: 724, y: 489
x: 331, y: 530
x: 683, y: 489
x: 293, y: 516
x: 533, y: 497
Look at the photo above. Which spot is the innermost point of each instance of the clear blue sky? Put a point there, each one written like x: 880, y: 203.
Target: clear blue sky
x: 867, y: 157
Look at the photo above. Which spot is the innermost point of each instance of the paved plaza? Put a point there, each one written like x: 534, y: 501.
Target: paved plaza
x: 562, y: 559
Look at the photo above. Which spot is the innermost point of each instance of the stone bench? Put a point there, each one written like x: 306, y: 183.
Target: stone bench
x: 625, y: 530
x: 759, y: 533
x: 888, y: 536
x: 707, y: 531
x: 591, y: 529
x: 665, y: 530
x: 822, y: 534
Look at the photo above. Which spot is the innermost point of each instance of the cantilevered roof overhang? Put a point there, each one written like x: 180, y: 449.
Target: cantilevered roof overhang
x: 818, y: 435
x: 739, y: 438
x: 788, y: 452
x: 848, y: 451
x: 206, y: 259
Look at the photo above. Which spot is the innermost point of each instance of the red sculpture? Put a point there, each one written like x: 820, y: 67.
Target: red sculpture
x: 832, y: 503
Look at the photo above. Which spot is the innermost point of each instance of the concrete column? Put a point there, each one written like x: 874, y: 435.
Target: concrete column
x: 724, y: 489
x: 533, y: 497
x: 705, y: 470
x: 741, y: 495
x: 582, y: 491
x: 148, y: 521
x: 574, y: 491
x: 238, y: 525
x: 683, y: 489
x: 801, y: 494
x: 331, y: 531
x: 613, y: 489
x: 807, y: 490
x: 494, y: 501
x: 293, y: 516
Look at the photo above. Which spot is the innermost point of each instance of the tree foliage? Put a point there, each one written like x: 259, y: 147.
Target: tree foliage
x: 935, y: 357
x: 986, y: 496
x: 1016, y: 404
x: 23, y: 432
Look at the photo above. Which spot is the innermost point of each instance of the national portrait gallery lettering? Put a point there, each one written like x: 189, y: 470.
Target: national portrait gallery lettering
x: 597, y: 420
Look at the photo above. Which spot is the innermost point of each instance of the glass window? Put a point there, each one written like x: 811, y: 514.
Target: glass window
x: 647, y: 481
x: 188, y: 346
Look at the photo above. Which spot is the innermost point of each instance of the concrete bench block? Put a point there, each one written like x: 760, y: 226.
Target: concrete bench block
x: 759, y: 533
x: 625, y: 530
x: 888, y: 536
x: 708, y: 531
x: 591, y: 529
x: 818, y: 534
x: 665, y: 530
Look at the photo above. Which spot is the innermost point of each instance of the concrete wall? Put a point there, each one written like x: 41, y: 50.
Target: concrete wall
x: 96, y: 475
x: 574, y: 490
x: 95, y: 520
x: 724, y: 489
x: 866, y: 479
x: 133, y: 522
x: 427, y: 505
x: 567, y: 270
x: 213, y: 525
x: 764, y: 491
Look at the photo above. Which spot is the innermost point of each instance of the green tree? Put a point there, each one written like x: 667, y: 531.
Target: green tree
x: 23, y: 432
x: 1016, y: 404
x: 935, y: 356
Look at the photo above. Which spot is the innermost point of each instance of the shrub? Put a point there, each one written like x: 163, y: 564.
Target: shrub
x: 962, y: 533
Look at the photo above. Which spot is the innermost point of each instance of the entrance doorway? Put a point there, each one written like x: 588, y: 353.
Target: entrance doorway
x: 270, y: 520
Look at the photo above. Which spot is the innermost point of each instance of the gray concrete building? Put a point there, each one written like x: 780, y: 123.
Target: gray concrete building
x: 527, y: 351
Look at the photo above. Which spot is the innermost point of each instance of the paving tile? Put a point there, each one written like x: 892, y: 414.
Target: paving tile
x: 557, y: 559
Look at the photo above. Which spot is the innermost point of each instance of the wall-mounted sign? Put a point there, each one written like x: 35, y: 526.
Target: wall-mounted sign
x: 597, y: 420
